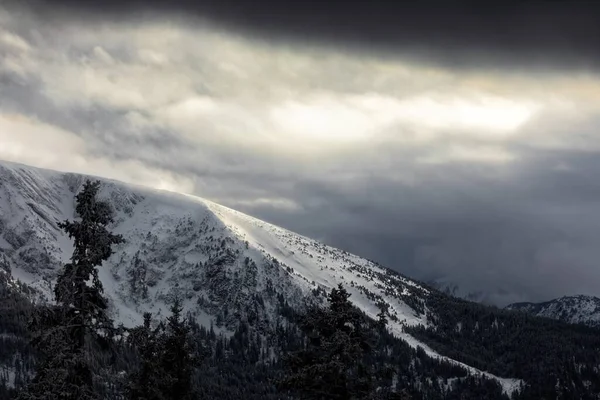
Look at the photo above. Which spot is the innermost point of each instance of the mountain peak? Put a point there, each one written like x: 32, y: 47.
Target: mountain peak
x: 177, y: 237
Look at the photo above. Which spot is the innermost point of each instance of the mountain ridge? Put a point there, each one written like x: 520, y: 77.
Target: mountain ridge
x: 576, y: 309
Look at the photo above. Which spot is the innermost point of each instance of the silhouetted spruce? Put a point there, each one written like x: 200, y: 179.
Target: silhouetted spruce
x: 330, y: 366
x: 144, y: 381
x: 65, y: 332
x: 178, y: 359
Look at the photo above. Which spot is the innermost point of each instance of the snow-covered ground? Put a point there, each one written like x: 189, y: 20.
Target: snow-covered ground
x: 214, y: 257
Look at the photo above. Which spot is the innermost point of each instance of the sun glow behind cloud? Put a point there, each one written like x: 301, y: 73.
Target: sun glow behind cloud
x: 490, y: 115
x: 331, y: 120
x: 325, y: 119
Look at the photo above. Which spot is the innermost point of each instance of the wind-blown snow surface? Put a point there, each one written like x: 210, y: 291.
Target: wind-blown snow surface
x: 229, y: 267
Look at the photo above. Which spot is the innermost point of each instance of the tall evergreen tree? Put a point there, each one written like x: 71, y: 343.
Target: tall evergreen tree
x: 66, y: 331
x: 137, y: 277
x: 331, y: 364
x: 144, y: 383
x: 178, y: 359
x: 382, y: 319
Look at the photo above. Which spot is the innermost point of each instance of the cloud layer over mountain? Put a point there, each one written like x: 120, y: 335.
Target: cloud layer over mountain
x: 477, y: 172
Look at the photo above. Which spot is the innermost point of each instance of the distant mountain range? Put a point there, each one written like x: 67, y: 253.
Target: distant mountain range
x: 571, y: 309
x: 578, y: 309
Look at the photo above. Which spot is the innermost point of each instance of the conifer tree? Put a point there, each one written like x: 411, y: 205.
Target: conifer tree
x: 67, y: 330
x: 137, y: 277
x: 167, y: 359
x: 178, y: 358
x: 382, y: 315
x: 144, y: 383
x: 330, y: 366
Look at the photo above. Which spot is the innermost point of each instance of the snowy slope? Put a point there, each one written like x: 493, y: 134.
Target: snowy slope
x: 228, y: 266
x: 572, y: 309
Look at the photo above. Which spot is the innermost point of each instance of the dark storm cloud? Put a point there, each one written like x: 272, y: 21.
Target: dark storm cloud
x: 532, y: 236
x: 460, y: 33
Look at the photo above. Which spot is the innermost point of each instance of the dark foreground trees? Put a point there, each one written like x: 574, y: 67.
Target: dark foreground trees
x: 144, y: 382
x: 167, y: 359
x: 331, y: 366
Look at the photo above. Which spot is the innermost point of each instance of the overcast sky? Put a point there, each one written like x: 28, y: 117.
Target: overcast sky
x: 449, y: 143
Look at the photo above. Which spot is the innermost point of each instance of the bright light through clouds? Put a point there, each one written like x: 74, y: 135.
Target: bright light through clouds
x: 326, y: 119
x: 359, y: 117
x: 488, y: 114
x: 332, y: 120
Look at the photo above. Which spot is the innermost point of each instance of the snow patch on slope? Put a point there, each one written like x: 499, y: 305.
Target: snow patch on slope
x: 313, y: 263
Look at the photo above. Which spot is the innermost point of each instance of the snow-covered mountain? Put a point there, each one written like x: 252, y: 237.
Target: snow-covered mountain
x: 228, y: 266
x: 203, y: 251
x: 572, y: 309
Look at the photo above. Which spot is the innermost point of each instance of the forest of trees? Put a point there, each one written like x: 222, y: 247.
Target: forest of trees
x: 556, y: 359
x: 71, y: 349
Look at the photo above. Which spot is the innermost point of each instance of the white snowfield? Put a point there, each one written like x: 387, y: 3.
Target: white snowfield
x: 214, y: 257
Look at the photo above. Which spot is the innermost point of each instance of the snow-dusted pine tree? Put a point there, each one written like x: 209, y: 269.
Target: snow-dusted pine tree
x: 66, y: 332
x: 137, y: 277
